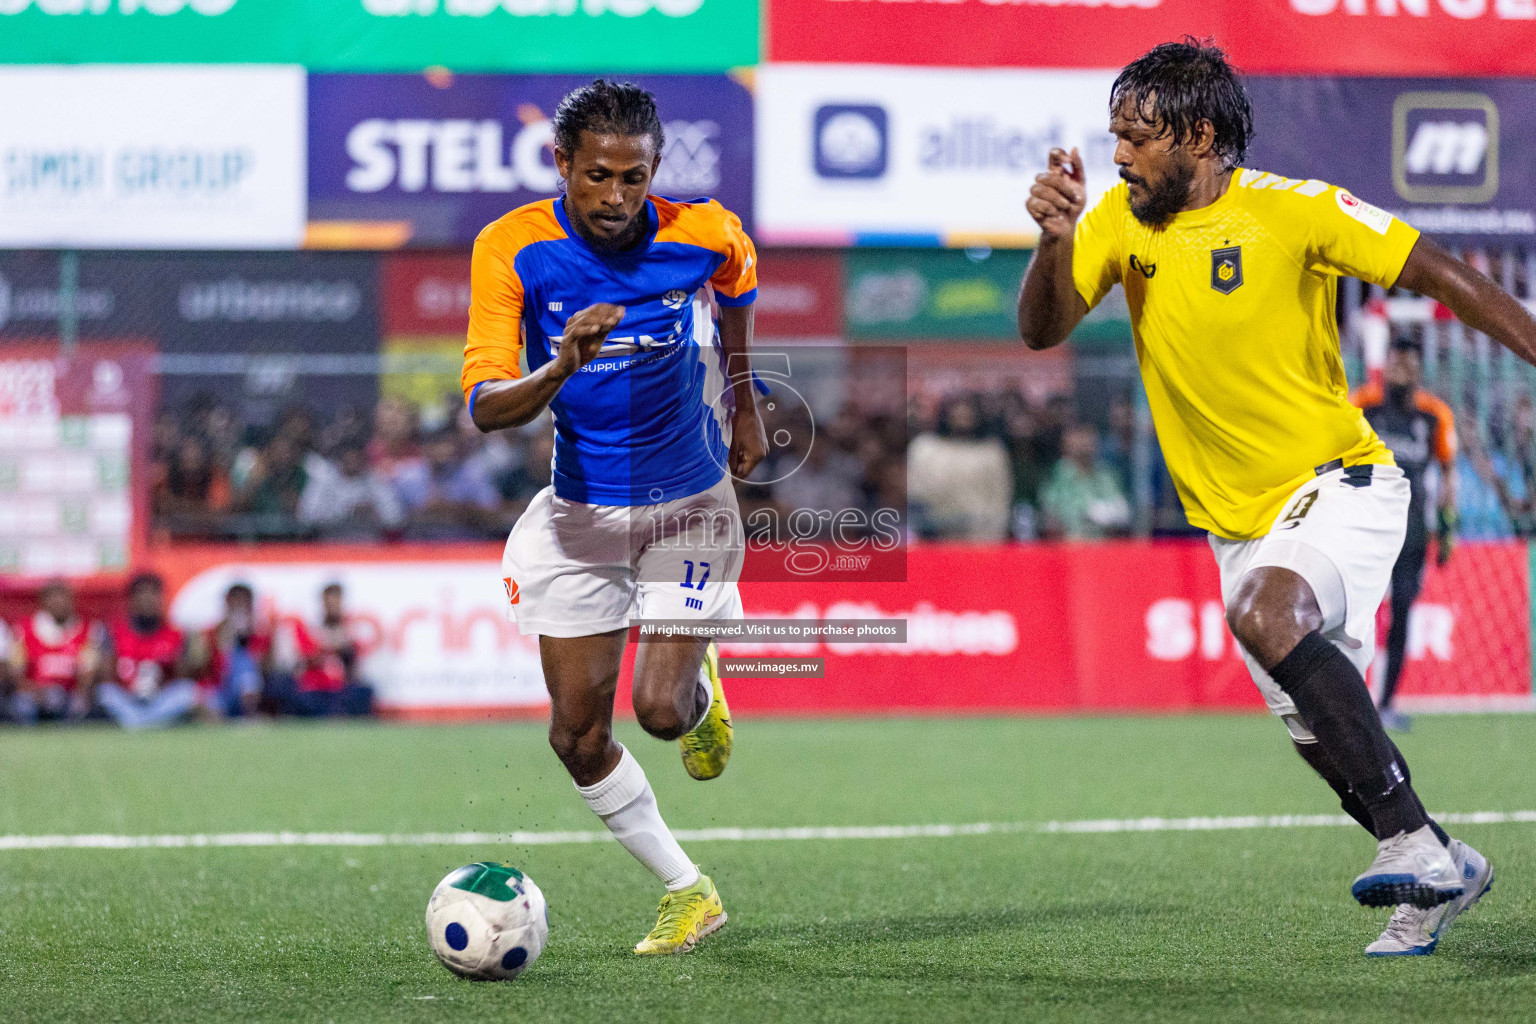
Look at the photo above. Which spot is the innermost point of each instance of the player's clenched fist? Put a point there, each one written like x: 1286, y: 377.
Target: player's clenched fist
x: 1058, y: 196
x: 585, y: 333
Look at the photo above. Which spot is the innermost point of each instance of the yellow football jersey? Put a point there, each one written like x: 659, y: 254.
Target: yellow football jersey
x: 1232, y: 307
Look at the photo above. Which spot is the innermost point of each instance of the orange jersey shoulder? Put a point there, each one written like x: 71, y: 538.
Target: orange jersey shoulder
x: 495, y: 338
x: 711, y: 226
x: 535, y: 222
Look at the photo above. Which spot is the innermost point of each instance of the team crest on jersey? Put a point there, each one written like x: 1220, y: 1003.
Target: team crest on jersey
x: 1227, y: 269
x: 674, y: 299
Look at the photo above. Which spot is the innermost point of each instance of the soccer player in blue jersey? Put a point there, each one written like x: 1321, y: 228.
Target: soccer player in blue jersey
x: 608, y: 291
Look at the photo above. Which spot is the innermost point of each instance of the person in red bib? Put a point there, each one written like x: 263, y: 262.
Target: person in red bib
x: 151, y: 684
x: 55, y: 659
x: 237, y: 656
x: 327, y: 680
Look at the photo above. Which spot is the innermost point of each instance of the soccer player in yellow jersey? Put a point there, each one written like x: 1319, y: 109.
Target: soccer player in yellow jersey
x: 1231, y: 277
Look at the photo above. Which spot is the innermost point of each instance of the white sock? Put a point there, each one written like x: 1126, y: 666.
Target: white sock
x: 628, y: 807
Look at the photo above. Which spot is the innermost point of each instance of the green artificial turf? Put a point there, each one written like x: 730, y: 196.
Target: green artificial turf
x: 1255, y: 926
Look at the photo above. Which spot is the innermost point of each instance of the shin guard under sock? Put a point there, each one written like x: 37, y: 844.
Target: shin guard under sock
x: 1313, y: 754
x: 1335, y: 705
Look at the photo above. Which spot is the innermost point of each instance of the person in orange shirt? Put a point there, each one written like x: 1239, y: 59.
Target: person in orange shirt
x: 1421, y: 432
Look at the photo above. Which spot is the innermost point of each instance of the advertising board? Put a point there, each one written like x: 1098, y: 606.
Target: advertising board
x: 918, y: 156
x: 1362, y: 37
x: 388, y: 35
x: 152, y: 157
x: 1113, y: 627
x: 1455, y: 158
x: 448, y: 156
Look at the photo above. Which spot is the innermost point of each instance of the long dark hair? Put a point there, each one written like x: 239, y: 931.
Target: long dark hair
x: 617, y: 108
x: 1178, y: 85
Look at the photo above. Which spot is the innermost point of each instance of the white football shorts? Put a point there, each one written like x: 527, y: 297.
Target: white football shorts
x: 574, y: 569
x: 1341, y: 533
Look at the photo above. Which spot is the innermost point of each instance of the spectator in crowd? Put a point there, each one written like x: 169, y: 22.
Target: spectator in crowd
x: 1083, y: 500
x: 349, y: 426
x: 446, y: 496
x: 236, y: 657
x: 55, y: 660
x: 7, y: 676
x: 827, y: 480
x: 276, y: 481
x: 151, y: 684
x: 328, y: 682
x: 958, y: 480
x: 394, y: 435
x: 1117, y: 449
x: 532, y: 472
x: 192, y: 485
x: 348, y: 499
x: 1021, y: 434
x: 225, y: 435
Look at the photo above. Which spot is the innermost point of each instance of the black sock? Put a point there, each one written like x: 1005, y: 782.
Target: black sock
x: 1440, y: 833
x: 1335, y: 705
x: 1313, y: 754
x: 1352, y: 804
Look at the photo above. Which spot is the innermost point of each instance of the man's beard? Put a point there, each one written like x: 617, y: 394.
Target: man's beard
x: 634, y: 231
x: 1166, y: 198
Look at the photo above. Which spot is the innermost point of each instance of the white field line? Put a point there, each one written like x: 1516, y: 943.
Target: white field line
x: 728, y: 835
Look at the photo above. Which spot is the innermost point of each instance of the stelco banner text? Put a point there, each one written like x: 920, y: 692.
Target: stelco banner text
x: 450, y: 156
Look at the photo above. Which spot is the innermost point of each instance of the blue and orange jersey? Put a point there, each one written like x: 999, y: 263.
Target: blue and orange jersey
x: 640, y: 424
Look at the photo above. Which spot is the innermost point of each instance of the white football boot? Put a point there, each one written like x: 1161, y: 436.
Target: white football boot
x: 1415, y: 932
x: 1411, y: 867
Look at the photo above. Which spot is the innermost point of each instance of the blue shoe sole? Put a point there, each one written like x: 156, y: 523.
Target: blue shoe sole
x: 1416, y: 951
x: 1391, y: 890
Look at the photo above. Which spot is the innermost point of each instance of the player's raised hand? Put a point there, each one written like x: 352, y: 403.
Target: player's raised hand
x: 1058, y: 196
x: 585, y: 332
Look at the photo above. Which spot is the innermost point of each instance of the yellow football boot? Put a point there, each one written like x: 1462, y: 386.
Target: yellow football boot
x: 707, y: 748
x: 684, y: 918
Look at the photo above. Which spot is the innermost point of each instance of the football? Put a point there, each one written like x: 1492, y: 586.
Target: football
x: 487, y: 922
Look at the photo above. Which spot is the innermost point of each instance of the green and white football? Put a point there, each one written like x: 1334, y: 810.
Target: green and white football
x: 487, y: 922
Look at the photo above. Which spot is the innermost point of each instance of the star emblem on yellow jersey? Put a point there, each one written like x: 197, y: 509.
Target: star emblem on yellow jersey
x: 684, y: 917
x: 708, y: 747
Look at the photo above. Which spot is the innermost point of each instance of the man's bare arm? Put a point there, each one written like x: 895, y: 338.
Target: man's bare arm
x: 749, y: 441
x: 511, y: 403
x: 1476, y: 300
x: 1049, y: 304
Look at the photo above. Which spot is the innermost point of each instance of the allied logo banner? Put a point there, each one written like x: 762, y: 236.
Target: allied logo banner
x: 388, y: 35
x: 152, y: 157
x: 444, y: 156
x: 848, y: 155
x: 1363, y: 37
x: 1456, y: 158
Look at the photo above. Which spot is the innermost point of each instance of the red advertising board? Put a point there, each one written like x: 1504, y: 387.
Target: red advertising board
x: 1115, y: 627
x: 75, y: 431
x: 426, y: 293
x: 1118, y: 627
x: 1365, y: 37
x: 799, y: 294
